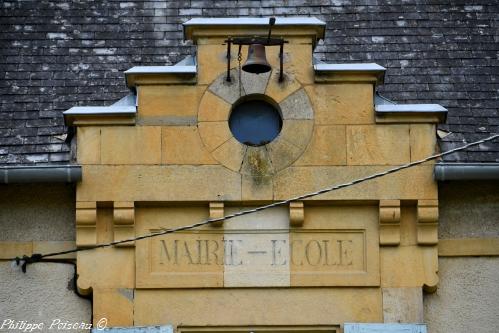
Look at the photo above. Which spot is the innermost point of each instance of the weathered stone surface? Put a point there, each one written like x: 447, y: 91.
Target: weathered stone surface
x: 88, y: 151
x: 296, y: 106
x: 214, y: 133
x: 228, y: 91
x: 280, y: 90
x: 403, y: 305
x: 254, y: 83
x: 231, y: 154
x: 159, y: 183
x: 116, y: 305
x: 169, y: 100
x: 212, y: 60
x: 257, y: 188
x: 297, y: 132
x: 378, y: 145
x: 106, y: 268
x: 409, y: 266
x: 423, y: 141
x: 182, y: 145
x: 282, y: 153
x: 309, y: 306
x: 294, y: 181
x: 131, y: 145
x: 327, y: 147
x: 342, y: 103
x: 256, y: 162
x: 213, y: 108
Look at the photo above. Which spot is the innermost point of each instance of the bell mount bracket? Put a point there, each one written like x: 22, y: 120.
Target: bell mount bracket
x: 263, y: 40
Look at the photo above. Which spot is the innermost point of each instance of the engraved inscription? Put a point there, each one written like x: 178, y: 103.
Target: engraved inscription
x: 280, y: 252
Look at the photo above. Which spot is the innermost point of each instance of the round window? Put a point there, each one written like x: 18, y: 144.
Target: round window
x: 255, y: 122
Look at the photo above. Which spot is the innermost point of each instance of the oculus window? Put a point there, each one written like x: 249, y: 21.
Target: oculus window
x: 255, y: 122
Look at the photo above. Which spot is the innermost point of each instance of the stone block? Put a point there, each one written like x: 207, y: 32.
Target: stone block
x: 159, y: 183
x: 106, y: 268
x: 214, y: 133
x: 295, y: 181
x: 257, y: 188
x: 183, y: 145
x: 256, y: 162
x: 296, y: 106
x: 253, y: 266
x: 213, y: 108
x: 115, y: 305
x: 230, y: 154
x: 336, y: 104
x: 131, y: 145
x: 254, y: 83
x: 169, y: 100
x: 327, y: 147
x: 276, y: 218
x: 297, y: 132
x: 88, y: 150
x: 278, y: 91
x: 297, y: 61
x: 378, y: 145
x: 257, y: 306
x: 423, y: 141
x: 403, y: 305
x: 409, y: 266
x: 283, y: 153
x: 229, y: 91
x: 212, y: 61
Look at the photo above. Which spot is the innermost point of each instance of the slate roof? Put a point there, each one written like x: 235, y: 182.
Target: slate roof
x: 58, y: 54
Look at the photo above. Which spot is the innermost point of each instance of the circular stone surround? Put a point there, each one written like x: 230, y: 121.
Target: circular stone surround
x: 258, y: 161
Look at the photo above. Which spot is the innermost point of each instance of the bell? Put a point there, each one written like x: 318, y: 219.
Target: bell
x: 257, y: 62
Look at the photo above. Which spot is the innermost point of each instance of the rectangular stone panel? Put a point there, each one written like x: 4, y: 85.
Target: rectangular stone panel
x: 416, y: 182
x: 378, y: 144
x: 337, y: 248
x: 158, y: 183
x: 169, y: 101
x: 131, y: 145
x: 344, y: 103
x: 257, y: 306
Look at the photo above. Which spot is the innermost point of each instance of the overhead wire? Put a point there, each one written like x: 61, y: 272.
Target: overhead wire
x: 38, y: 257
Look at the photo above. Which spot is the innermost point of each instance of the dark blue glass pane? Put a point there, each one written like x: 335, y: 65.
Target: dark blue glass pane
x: 255, y: 123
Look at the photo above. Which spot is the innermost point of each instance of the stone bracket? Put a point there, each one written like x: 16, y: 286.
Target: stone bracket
x: 216, y: 211
x: 389, y: 222
x: 86, y: 220
x: 124, y: 222
x: 427, y: 226
x: 296, y: 213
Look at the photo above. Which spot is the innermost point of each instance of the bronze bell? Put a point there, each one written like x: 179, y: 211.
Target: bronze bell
x: 257, y: 61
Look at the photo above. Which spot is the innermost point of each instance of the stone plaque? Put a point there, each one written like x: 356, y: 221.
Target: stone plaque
x: 262, y: 251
